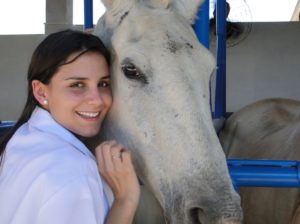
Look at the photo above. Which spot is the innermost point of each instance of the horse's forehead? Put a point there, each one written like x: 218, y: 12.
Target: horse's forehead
x: 150, y: 37
x: 164, y: 32
x: 158, y: 27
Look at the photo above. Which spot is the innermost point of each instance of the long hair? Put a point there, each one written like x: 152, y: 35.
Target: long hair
x: 49, y: 55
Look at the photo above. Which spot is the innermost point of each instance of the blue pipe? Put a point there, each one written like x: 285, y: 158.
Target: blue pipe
x: 201, y: 26
x: 5, y: 126
x: 220, y: 96
x: 264, y: 173
x: 88, y: 14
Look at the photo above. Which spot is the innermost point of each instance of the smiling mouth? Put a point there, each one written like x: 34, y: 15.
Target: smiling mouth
x: 88, y: 115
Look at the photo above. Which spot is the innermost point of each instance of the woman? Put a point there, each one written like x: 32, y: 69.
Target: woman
x: 47, y: 174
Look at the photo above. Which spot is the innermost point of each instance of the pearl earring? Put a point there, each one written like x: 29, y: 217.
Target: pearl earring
x: 45, y: 102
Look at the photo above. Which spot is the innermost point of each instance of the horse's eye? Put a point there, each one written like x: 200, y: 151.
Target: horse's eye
x: 132, y: 72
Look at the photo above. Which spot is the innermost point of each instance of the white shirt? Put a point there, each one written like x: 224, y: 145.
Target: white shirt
x: 49, y: 177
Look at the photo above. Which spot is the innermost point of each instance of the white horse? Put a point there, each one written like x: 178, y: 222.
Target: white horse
x: 268, y: 129
x: 160, y: 79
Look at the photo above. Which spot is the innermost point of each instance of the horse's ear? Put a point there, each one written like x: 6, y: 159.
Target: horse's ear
x: 187, y: 8
x: 108, y: 3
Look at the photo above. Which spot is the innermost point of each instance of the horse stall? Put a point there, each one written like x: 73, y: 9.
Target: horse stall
x: 271, y: 173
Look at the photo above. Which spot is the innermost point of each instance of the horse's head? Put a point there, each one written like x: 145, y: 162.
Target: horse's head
x: 160, y: 79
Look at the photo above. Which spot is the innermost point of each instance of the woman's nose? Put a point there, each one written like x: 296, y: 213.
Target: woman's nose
x: 95, y: 97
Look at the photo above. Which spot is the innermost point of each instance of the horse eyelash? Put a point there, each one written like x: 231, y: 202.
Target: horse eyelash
x: 139, y: 76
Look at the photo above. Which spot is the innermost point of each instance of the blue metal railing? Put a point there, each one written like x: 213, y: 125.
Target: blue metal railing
x: 88, y: 14
x: 201, y: 26
x: 5, y: 126
x: 220, y: 94
x: 264, y: 173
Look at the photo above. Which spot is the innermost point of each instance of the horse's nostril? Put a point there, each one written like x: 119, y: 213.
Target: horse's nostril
x: 195, y: 215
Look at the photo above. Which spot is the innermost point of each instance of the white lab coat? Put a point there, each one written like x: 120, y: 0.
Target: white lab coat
x: 50, y: 177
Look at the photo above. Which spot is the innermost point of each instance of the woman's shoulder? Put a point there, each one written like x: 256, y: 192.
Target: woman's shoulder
x: 30, y: 141
x: 47, y: 161
x: 45, y: 152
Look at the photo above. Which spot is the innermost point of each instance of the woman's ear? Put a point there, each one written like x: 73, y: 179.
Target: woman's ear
x: 39, y: 91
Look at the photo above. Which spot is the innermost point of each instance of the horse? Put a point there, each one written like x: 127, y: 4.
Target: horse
x: 267, y: 129
x: 160, y: 83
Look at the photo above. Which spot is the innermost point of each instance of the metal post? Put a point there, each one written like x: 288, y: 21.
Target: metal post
x: 220, y: 97
x: 201, y: 26
x: 88, y: 14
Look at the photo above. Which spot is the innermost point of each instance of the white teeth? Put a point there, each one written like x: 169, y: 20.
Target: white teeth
x: 88, y: 114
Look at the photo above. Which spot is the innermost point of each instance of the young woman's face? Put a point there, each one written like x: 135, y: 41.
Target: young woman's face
x: 79, y: 94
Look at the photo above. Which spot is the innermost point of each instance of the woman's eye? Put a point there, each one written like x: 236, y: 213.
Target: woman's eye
x: 104, y: 84
x: 77, y: 85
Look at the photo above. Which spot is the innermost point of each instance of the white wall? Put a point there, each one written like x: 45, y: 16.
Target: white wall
x: 266, y: 64
x: 15, y: 55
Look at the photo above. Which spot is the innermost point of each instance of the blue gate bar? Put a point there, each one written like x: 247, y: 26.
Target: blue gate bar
x: 201, y: 26
x: 220, y: 94
x: 5, y: 126
x: 264, y: 173
x: 88, y: 14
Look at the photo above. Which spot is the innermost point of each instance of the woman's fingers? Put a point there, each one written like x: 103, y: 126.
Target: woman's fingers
x: 103, y: 156
x: 126, y: 157
x: 109, y: 156
x: 116, y: 151
x: 115, y: 166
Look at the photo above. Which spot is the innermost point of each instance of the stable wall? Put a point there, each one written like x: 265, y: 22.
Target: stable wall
x: 15, y: 55
x: 265, y: 64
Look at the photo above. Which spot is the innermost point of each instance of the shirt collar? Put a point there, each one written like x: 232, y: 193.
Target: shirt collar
x: 43, y: 121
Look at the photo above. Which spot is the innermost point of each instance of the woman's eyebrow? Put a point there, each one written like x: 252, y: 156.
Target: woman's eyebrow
x: 76, y: 78
x: 84, y: 78
x: 106, y: 77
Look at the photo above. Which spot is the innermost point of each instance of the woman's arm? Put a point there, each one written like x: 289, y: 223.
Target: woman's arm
x: 115, y: 166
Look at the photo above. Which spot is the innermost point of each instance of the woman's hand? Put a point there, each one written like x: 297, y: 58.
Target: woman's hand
x: 115, y: 166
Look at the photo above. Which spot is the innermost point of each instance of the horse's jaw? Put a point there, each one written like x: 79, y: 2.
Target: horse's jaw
x: 189, y: 180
